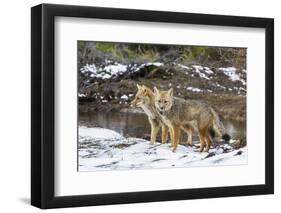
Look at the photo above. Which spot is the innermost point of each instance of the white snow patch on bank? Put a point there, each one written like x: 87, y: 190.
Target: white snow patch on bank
x: 106, y: 72
x: 81, y: 95
x: 193, y: 89
x: 111, y: 70
x: 124, y: 97
x: 157, y: 64
x: 184, y: 66
x: 103, y: 149
x: 208, y: 70
x: 115, y: 69
x: 99, y: 133
x: 231, y: 73
x: 200, y: 70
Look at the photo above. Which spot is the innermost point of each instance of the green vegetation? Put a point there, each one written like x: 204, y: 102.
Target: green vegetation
x: 105, y: 47
x: 98, y: 52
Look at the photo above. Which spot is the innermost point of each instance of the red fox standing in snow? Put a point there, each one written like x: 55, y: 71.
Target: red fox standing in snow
x: 177, y: 112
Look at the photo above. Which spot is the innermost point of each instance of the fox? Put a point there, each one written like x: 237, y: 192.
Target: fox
x: 176, y: 112
x: 144, y: 99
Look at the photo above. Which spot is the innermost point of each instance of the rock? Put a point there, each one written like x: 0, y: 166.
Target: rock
x: 238, y: 153
x: 211, y: 154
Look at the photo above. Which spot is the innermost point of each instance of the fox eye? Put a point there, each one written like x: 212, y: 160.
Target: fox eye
x: 159, y: 101
x: 165, y: 102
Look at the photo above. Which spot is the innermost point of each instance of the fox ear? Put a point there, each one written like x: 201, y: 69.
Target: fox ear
x: 139, y: 87
x: 155, y: 90
x: 144, y: 88
x: 170, y: 92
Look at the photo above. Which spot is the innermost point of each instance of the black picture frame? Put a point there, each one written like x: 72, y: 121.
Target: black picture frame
x: 43, y: 102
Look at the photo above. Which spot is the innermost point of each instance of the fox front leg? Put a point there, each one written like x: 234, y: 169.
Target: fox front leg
x: 165, y: 130
x: 177, y: 134
x: 171, y: 130
x: 154, y: 132
x: 155, y: 126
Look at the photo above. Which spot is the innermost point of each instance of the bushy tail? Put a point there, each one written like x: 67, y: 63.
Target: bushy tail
x: 219, y: 128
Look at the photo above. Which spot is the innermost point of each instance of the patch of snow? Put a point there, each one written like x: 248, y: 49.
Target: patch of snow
x: 198, y: 69
x: 243, y: 81
x: 115, y: 69
x: 106, y: 76
x: 81, y: 95
x: 183, y: 66
x: 218, y: 85
x: 193, y: 89
x: 104, y: 149
x: 208, y: 70
x: 99, y: 133
x: 231, y: 73
x: 89, y: 68
x: 124, y: 97
x: 157, y: 64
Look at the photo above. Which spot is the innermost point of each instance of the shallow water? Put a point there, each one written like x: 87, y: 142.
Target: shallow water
x: 137, y: 125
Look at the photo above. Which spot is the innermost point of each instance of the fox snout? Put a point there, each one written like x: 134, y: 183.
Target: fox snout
x: 133, y: 103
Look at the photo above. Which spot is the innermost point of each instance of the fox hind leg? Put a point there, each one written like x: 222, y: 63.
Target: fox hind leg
x: 202, y: 139
x: 189, y: 140
x: 208, y: 141
x: 188, y: 129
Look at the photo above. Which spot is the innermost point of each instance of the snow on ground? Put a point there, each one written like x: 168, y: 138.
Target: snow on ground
x: 106, y: 72
x: 81, y: 95
x: 104, y: 149
x: 231, y: 73
x: 111, y: 70
x: 99, y: 133
x: 194, y: 89
x: 200, y: 70
x: 124, y: 97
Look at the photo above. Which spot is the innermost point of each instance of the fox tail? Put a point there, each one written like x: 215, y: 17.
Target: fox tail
x: 219, y: 128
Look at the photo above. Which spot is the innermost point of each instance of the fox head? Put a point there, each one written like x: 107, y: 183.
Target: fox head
x: 142, y: 97
x: 163, y: 99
